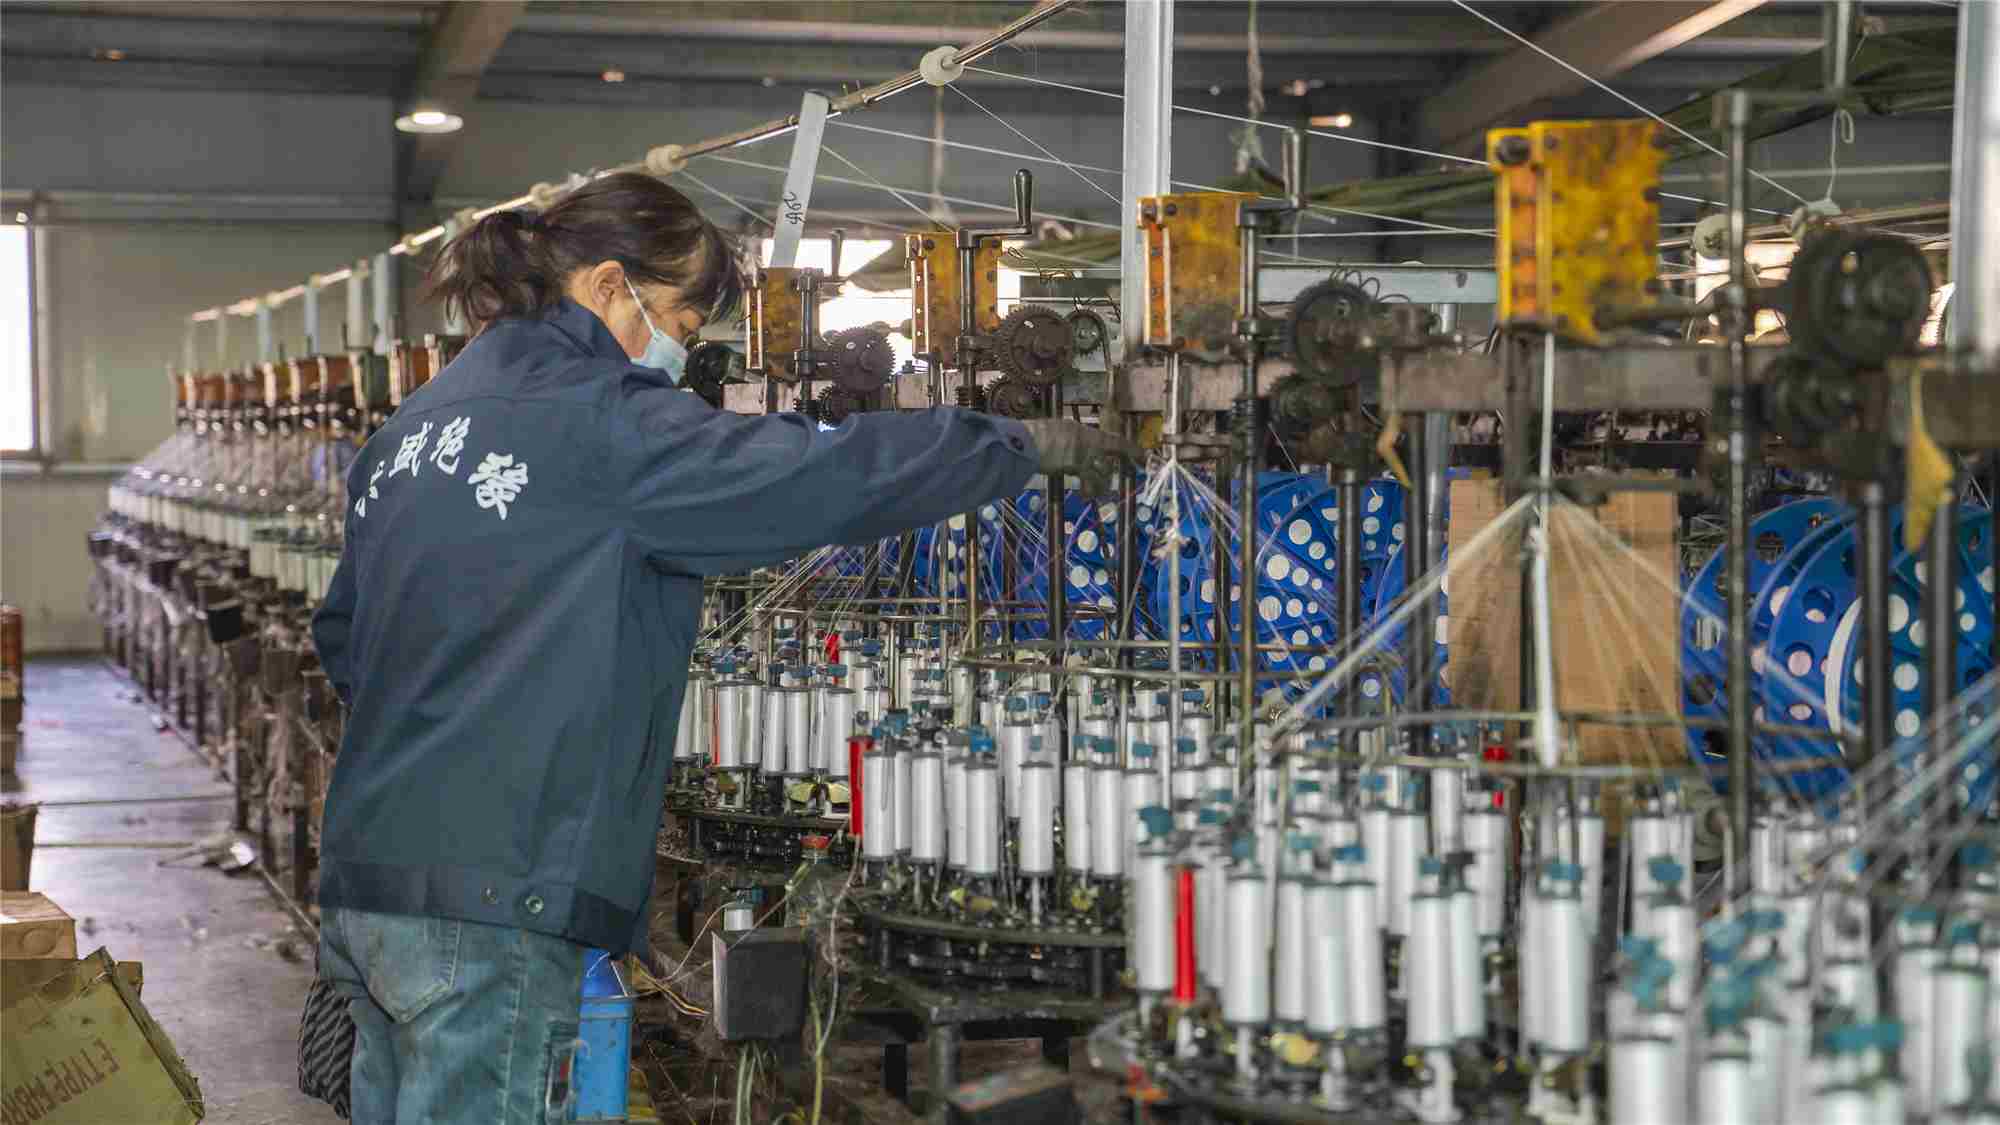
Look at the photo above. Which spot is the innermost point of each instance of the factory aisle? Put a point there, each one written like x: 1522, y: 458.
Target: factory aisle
x: 225, y: 971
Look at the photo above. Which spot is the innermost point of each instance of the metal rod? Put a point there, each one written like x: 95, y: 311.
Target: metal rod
x: 1875, y: 699
x: 1941, y: 622
x: 1736, y: 325
x: 1250, y: 437
x: 859, y: 99
x: 1348, y: 575
x: 1417, y: 642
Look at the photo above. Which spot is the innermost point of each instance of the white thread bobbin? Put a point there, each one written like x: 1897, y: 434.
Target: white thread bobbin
x: 543, y: 194
x: 465, y: 218
x: 940, y: 66
x: 665, y: 160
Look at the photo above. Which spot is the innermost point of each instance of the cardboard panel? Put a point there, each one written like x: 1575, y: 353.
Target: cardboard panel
x: 1616, y: 625
x: 81, y: 1050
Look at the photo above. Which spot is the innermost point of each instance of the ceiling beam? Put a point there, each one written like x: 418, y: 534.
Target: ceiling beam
x: 1603, y: 40
x: 447, y: 76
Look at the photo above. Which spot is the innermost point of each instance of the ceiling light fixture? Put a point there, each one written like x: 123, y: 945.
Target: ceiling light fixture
x: 20, y: 216
x: 1332, y: 121
x: 109, y: 54
x: 1215, y: 91
x: 429, y: 121
x: 614, y: 75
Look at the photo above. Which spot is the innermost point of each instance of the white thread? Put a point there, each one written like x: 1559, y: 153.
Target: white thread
x: 1559, y: 61
x: 1009, y: 126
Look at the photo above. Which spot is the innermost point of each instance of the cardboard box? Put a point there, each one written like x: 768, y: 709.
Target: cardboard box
x: 81, y: 1050
x: 17, y: 845
x: 32, y: 926
x: 1616, y: 625
x: 21, y: 975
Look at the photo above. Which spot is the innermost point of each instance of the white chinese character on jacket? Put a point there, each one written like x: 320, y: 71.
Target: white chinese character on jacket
x: 498, y: 481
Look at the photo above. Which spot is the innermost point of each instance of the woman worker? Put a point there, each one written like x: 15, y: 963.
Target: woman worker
x: 513, y: 614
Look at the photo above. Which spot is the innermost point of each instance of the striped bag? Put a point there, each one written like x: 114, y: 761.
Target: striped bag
x: 326, y: 1046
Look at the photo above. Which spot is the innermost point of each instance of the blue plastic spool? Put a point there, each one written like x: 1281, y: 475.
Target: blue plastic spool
x: 1296, y: 589
x: 1818, y: 616
x: 1907, y: 641
x: 1782, y: 538
x: 1806, y: 619
x: 599, y: 1076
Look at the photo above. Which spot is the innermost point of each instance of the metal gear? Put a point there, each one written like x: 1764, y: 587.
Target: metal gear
x: 1034, y: 343
x: 859, y: 359
x: 1859, y: 298
x: 710, y: 364
x: 1087, y: 331
x: 836, y: 404
x: 1330, y: 320
x: 1013, y: 398
x: 1299, y: 403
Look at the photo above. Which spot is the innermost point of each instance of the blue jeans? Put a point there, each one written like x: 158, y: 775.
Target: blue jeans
x: 454, y: 1021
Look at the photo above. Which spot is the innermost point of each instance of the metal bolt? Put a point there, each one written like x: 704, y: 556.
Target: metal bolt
x: 1511, y: 150
x: 490, y: 897
x: 533, y: 904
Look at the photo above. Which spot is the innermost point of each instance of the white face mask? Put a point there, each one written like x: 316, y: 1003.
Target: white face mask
x: 663, y: 352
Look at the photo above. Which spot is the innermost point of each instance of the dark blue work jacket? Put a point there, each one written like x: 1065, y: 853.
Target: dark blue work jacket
x: 521, y: 588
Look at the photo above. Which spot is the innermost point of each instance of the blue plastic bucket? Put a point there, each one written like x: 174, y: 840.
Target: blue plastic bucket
x: 604, y: 1024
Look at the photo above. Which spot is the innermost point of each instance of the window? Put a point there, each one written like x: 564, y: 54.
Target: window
x: 17, y: 348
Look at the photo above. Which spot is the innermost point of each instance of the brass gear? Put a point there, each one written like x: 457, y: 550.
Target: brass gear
x: 1034, y: 343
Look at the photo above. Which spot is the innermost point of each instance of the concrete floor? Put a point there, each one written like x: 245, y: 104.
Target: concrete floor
x: 226, y: 971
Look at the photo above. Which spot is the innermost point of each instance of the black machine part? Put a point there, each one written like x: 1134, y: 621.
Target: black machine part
x: 1014, y: 398
x: 710, y: 364
x: 1858, y: 299
x: 1035, y: 344
x: 760, y: 983
x: 1328, y: 332
x: 1038, y: 1093
x: 859, y: 359
x: 836, y: 404
x: 1087, y: 331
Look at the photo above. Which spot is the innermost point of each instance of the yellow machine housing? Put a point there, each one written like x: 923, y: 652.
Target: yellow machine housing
x: 1579, y: 221
x: 933, y: 261
x: 1194, y: 265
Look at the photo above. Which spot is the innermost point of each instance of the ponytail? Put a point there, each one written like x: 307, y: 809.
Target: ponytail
x: 493, y: 269
x: 516, y: 263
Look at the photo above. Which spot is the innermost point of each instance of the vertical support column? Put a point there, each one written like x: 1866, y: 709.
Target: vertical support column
x: 1149, y: 100
x: 1148, y: 110
x: 265, y: 345
x: 1975, y: 185
x: 311, y: 309
x: 356, y: 328
x: 1736, y: 323
x: 1975, y: 193
x: 382, y: 272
